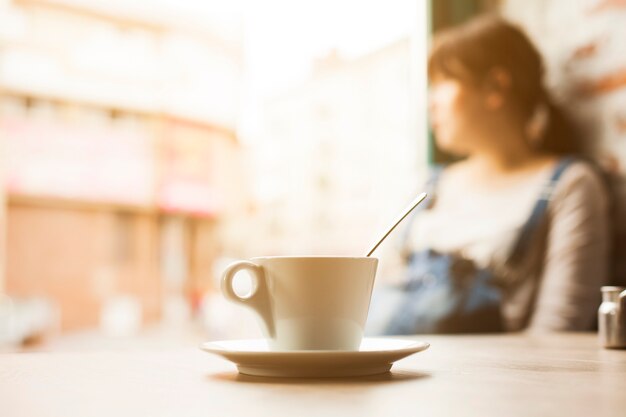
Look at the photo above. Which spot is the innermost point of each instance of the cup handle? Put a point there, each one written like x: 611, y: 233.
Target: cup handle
x: 258, y: 300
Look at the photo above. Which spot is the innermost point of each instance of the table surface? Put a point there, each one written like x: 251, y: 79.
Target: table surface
x: 506, y: 375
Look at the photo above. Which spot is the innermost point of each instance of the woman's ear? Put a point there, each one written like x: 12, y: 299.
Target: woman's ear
x: 498, y: 81
x: 494, y: 101
x: 500, y: 77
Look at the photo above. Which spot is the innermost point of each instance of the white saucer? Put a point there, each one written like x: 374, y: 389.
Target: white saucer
x: 375, y: 356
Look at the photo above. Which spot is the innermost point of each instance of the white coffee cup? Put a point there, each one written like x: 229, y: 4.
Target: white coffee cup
x: 308, y: 302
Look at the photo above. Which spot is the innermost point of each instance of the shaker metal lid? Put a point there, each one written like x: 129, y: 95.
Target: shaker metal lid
x: 612, y: 288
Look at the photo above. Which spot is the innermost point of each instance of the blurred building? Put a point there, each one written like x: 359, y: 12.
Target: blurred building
x: 347, y: 159
x: 119, y: 154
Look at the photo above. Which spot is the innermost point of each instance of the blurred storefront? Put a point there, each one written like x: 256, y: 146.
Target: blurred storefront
x: 144, y: 147
x: 113, y: 129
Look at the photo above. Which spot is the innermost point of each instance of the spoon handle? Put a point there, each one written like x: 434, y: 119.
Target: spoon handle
x: 405, y: 213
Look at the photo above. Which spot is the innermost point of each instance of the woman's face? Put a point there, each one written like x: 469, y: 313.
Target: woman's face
x: 457, y: 115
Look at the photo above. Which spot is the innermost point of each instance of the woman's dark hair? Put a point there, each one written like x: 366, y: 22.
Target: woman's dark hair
x: 471, y: 52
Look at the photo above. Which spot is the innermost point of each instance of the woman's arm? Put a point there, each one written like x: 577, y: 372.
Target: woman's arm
x: 576, y: 260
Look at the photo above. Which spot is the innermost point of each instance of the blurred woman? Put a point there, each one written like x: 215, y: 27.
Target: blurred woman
x: 489, y: 105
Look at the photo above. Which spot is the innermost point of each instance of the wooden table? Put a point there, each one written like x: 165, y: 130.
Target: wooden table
x: 509, y: 375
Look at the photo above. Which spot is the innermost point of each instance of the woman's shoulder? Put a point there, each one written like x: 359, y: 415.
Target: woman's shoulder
x: 581, y: 181
x: 582, y: 173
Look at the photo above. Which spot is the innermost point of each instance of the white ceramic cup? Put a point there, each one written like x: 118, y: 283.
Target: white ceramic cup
x: 308, y: 302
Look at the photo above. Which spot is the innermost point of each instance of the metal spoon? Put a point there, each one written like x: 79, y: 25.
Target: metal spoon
x: 405, y: 213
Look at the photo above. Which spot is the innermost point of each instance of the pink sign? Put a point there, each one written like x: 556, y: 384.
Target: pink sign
x: 187, y: 167
x: 74, y: 162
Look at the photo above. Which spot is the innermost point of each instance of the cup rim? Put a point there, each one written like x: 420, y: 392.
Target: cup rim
x: 313, y: 257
